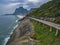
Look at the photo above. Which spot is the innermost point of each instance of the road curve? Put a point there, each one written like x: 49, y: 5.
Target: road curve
x: 57, y: 26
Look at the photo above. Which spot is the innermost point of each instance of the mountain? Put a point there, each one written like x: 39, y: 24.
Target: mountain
x: 31, y: 9
x: 49, y: 9
x: 20, y: 10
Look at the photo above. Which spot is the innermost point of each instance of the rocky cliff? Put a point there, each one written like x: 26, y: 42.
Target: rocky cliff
x: 22, y: 34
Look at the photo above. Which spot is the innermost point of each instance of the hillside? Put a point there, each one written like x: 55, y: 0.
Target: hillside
x: 49, y: 11
x: 44, y: 35
x: 22, y: 34
x: 32, y: 32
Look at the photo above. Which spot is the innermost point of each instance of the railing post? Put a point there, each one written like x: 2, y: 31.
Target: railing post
x: 56, y: 32
x: 50, y: 29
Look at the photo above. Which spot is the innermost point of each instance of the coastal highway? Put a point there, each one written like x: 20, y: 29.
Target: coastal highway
x: 57, y: 26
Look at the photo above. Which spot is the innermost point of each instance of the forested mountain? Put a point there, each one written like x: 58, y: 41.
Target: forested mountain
x: 50, y: 9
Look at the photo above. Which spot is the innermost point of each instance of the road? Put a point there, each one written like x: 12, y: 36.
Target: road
x: 57, y: 26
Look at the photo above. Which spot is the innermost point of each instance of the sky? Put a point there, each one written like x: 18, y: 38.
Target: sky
x: 9, y: 6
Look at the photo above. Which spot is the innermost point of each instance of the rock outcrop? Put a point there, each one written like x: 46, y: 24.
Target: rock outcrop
x: 20, y: 11
x: 22, y: 34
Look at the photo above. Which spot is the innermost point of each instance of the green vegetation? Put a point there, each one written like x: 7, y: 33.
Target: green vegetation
x: 50, y: 9
x: 43, y: 34
x: 57, y: 20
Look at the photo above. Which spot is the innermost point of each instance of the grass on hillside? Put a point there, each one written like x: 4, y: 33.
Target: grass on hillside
x: 43, y: 34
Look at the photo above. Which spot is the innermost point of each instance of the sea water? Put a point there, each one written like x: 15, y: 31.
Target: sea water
x: 7, y: 25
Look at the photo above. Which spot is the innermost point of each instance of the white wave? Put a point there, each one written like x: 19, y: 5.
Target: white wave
x: 16, y: 20
x: 14, y: 29
x: 6, y: 40
x: 15, y: 26
x: 20, y: 16
x: 11, y: 32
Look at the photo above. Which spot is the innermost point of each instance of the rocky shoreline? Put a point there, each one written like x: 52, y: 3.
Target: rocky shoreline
x: 22, y: 34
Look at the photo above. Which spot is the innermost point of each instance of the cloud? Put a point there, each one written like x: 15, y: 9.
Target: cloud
x: 12, y: 4
x: 26, y: 6
x: 9, y: 6
x: 34, y: 1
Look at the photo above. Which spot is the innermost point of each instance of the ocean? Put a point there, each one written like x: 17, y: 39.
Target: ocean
x: 7, y: 25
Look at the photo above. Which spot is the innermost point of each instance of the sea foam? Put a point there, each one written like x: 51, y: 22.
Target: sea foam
x: 15, y: 26
x: 16, y: 20
x: 7, y: 38
x: 20, y: 16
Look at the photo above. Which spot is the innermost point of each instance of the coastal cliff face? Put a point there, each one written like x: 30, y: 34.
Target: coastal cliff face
x: 22, y: 34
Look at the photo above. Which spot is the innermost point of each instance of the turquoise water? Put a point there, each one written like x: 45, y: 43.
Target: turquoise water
x: 7, y: 24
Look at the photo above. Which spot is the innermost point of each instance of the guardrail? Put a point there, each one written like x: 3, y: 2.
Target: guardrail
x: 51, y: 24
